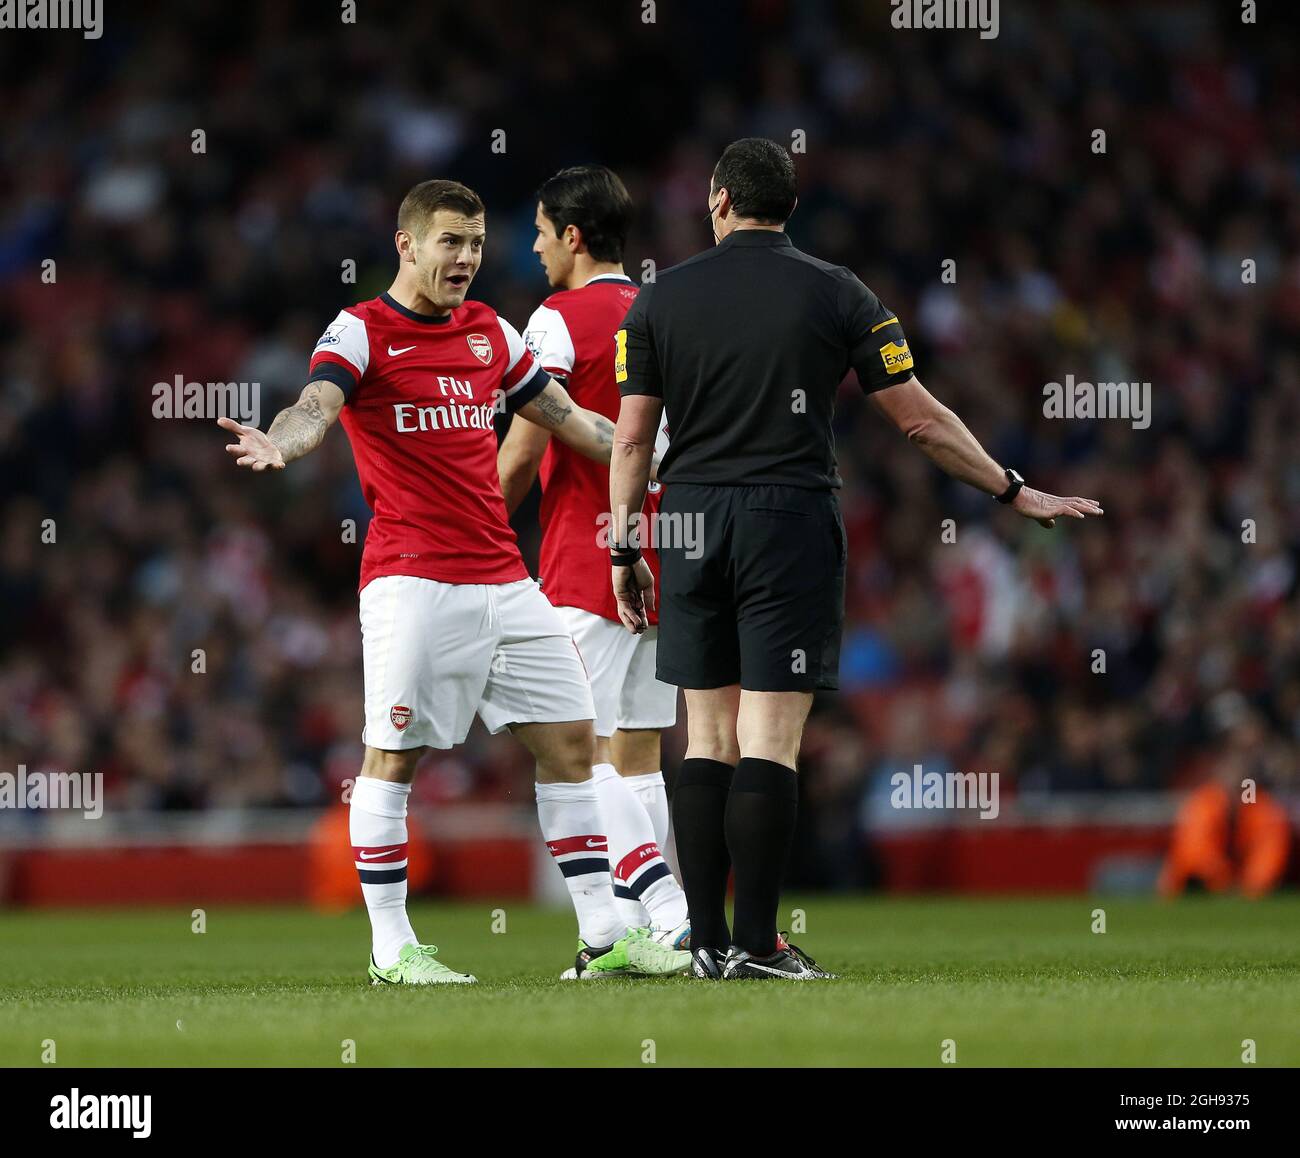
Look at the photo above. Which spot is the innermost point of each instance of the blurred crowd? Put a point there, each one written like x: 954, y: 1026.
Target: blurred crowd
x: 191, y: 631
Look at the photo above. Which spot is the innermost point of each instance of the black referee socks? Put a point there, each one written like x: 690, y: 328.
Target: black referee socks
x: 760, y: 822
x: 699, y: 811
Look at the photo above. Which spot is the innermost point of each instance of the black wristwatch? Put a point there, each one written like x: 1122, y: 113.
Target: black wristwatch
x: 1015, y: 482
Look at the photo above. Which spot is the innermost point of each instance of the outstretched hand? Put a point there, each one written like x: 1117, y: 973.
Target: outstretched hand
x: 254, y: 449
x: 1045, y: 509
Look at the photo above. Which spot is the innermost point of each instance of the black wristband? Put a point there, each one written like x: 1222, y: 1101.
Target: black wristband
x: 624, y: 556
x: 1014, y: 483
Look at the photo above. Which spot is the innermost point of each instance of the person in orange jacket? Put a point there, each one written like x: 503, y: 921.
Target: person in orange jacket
x: 1230, y: 833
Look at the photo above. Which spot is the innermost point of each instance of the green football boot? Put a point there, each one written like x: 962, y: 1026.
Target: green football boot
x: 589, y: 953
x: 418, y: 965
x: 651, y: 957
x: 636, y: 954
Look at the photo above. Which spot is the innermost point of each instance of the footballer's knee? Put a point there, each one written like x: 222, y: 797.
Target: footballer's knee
x: 564, y: 751
x: 635, y: 752
x: 397, y: 767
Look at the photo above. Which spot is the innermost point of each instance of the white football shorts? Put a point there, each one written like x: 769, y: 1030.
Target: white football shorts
x: 621, y: 667
x: 435, y: 654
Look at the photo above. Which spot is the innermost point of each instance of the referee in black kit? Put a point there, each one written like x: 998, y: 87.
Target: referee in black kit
x: 743, y: 348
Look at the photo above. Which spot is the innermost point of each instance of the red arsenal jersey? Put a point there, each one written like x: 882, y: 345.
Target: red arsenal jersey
x: 572, y: 335
x: 421, y: 395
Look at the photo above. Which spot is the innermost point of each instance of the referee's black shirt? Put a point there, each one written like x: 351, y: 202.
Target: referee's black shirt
x: 747, y: 344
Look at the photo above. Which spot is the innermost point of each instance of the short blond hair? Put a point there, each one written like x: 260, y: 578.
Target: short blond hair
x: 423, y: 201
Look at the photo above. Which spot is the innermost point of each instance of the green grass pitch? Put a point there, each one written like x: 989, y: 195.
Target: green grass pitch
x: 1011, y: 982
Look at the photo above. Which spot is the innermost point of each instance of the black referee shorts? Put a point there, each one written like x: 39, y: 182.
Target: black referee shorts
x: 752, y: 587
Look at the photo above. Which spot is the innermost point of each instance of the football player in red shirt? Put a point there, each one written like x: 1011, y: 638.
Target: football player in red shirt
x: 583, y: 214
x: 451, y: 623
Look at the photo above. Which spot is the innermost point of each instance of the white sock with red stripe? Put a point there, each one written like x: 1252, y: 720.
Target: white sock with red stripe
x: 377, y: 824
x: 641, y: 876
x: 570, y: 820
x: 650, y: 790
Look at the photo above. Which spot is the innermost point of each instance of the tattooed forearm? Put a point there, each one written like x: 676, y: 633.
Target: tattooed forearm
x: 298, y: 429
x: 588, y: 432
x: 557, y: 413
x: 552, y: 410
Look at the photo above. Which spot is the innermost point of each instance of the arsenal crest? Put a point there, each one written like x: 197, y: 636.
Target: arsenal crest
x: 480, y: 347
x: 400, y: 714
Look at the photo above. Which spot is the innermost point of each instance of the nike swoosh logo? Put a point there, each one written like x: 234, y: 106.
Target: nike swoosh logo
x: 774, y: 972
x: 393, y: 353
x: 595, y: 844
x: 376, y: 855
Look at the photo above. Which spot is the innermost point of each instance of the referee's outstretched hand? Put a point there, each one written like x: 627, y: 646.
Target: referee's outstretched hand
x: 634, y: 588
x: 1046, y: 509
